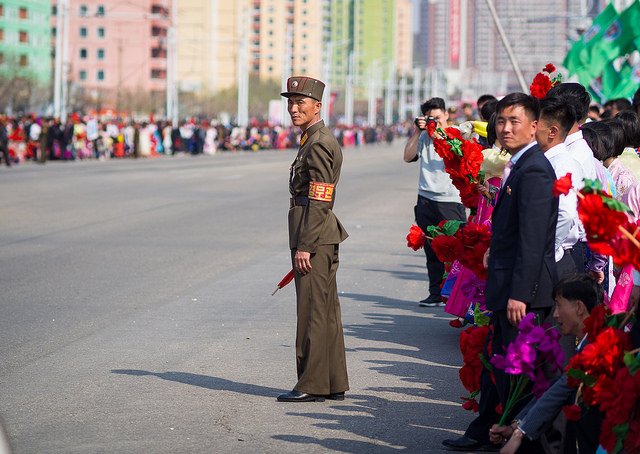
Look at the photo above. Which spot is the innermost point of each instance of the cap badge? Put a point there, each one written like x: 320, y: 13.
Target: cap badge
x: 294, y: 84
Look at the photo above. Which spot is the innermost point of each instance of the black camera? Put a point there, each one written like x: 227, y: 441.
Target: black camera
x: 430, y: 120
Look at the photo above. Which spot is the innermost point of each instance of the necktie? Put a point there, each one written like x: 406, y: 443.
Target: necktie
x: 507, y: 171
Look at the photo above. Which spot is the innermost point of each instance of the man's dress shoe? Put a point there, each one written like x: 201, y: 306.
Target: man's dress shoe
x: 468, y: 444
x: 297, y: 396
x: 336, y: 396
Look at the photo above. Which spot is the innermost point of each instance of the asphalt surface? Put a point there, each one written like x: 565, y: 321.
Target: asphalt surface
x: 137, y: 316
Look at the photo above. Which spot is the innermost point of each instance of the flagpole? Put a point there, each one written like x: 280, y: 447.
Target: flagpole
x: 507, y: 46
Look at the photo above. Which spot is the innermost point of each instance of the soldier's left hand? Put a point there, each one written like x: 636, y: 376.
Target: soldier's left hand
x: 302, y: 262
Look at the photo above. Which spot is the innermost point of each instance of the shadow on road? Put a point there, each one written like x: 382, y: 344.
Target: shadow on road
x: 368, y: 417
x: 206, y: 381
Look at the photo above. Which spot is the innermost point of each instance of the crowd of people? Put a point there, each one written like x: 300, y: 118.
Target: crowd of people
x: 42, y: 139
x: 542, y: 262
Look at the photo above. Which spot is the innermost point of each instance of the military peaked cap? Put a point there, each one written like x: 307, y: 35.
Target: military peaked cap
x: 304, y: 86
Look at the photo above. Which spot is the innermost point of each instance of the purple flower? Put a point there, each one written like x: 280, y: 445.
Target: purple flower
x: 540, y: 384
x: 527, y: 323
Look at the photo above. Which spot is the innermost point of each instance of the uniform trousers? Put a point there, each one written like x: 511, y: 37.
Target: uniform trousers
x: 320, y: 355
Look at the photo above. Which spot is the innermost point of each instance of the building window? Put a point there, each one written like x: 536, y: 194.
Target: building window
x: 1, y: 34
x: 158, y: 31
x: 100, y: 32
x: 158, y: 74
x: 23, y: 36
x: 83, y: 10
x: 22, y: 13
x: 101, y: 75
x: 158, y: 52
x: 1, y: 58
x: 24, y: 61
x: 54, y: 10
x: 100, y: 54
x: 1, y: 9
x: 83, y: 32
x: 100, y: 10
x: 54, y: 31
x: 83, y: 53
x: 83, y: 75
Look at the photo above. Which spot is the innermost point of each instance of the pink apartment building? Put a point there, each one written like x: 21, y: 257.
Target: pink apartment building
x: 117, y: 47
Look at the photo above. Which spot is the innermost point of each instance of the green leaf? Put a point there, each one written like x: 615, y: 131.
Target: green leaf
x: 434, y: 231
x: 632, y: 362
x: 621, y: 433
x: 485, y: 363
x: 581, y: 375
x: 591, y: 186
x: 451, y: 227
x: 456, y: 146
x: 479, y: 317
x: 614, y: 204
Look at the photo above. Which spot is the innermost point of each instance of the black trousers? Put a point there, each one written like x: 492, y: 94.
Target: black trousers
x: 429, y: 212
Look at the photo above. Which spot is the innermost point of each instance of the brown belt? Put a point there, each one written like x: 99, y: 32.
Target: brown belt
x: 298, y: 201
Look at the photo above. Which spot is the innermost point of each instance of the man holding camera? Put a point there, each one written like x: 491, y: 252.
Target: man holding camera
x: 438, y: 199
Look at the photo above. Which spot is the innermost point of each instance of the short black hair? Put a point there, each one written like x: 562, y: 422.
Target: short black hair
x: 580, y: 287
x: 488, y: 109
x: 491, y: 130
x: 602, y: 147
x: 620, y: 104
x: 431, y: 104
x: 631, y: 125
x: 529, y: 103
x: 557, y: 112
x: 617, y: 136
x: 485, y: 98
x: 575, y: 95
x: 593, y: 139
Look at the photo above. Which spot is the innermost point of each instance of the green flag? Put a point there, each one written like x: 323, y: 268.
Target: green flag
x: 573, y: 61
x: 611, y: 80
x: 616, y: 40
x: 629, y: 81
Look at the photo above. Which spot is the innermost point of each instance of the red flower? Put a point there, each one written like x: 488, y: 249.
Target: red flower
x: 607, y: 437
x: 540, y: 86
x: 600, y: 222
x: 443, y: 149
x: 499, y: 408
x: 572, y: 412
x: 416, y: 238
x: 470, y: 404
x: 455, y: 323
x: 632, y: 442
x: 594, y: 323
x: 562, y: 185
x: 472, y: 234
x: 618, y: 397
x: 447, y: 248
x: 431, y: 128
x: 549, y: 68
x: 470, y: 377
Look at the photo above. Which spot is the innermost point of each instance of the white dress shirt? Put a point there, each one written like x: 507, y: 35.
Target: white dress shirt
x: 567, y: 233
x: 580, y: 151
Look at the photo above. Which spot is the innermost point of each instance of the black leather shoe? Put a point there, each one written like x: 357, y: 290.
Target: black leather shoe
x: 297, y: 396
x: 468, y: 444
x: 336, y: 396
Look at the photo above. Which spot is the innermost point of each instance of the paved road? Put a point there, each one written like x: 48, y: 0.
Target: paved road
x: 137, y: 316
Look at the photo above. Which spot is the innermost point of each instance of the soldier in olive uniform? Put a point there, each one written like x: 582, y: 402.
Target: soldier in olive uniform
x: 314, y: 235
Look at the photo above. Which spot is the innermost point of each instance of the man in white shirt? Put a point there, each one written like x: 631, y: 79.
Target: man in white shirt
x: 578, y: 99
x: 556, y: 119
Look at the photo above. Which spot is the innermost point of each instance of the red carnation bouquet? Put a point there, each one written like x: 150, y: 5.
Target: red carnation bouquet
x: 543, y: 82
x: 472, y: 342
x: 606, y: 375
x: 462, y: 160
x: 466, y: 243
x: 608, y: 228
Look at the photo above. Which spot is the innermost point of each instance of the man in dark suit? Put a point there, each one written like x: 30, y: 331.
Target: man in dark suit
x: 314, y: 236
x: 521, y: 263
